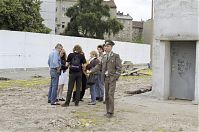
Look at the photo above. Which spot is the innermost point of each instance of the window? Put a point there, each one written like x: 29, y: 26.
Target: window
x: 63, y: 8
x: 63, y: 25
x: 63, y: 15
x: 55, y: 30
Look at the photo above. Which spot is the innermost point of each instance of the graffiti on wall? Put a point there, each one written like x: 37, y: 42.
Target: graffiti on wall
x: 183, y: 66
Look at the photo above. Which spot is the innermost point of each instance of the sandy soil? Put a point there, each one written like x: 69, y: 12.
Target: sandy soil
x: 25, y: 109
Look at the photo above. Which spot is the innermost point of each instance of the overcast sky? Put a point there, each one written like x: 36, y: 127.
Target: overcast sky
x: 138, y: 9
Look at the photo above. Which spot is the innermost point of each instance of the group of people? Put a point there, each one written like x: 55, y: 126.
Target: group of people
x: 104, y: 67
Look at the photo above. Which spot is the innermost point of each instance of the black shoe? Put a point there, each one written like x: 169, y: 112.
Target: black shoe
x: 100, y: 99
x: 61, y: 99
x: 55, y: 103
x: 65, y: 105
x: 97, y: 98
x: 56, y: 100
x: 76, y: 104
x: 49, y: 101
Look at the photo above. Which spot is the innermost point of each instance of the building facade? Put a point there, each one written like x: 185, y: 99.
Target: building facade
x: 176, y: 50
x: 148, y: 31
x: 132, y: 29
x: 62, y: 6
x: 48, y: 13
x: 61, y: 19
x: 113, y: 8
x: 137, y: 31
x: 126, y: 33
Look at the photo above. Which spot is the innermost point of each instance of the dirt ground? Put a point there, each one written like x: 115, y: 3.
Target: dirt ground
x: 24, y: 107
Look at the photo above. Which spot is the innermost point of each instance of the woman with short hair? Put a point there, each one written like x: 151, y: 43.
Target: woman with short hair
x: 92, y: 63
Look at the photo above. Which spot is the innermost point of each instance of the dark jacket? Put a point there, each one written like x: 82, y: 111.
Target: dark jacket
x: 71, y: 56
x: 63, y: 65
x: 92, y: 64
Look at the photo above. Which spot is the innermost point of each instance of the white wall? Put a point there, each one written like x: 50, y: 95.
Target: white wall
x: 31, y: 50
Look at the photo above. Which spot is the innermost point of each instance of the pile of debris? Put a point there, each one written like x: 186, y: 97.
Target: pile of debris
x: 4, y: 79
x: 139, y: 91
x: 128, y: 69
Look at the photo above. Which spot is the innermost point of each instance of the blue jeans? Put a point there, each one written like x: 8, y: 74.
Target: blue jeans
x: 52, y: 93
x: 93, y: 91
x: 99, y: 86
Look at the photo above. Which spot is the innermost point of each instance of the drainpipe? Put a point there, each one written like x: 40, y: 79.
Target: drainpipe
x: 152, y: 39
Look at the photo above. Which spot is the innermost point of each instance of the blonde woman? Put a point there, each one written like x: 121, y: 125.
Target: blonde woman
x: 92, y: 63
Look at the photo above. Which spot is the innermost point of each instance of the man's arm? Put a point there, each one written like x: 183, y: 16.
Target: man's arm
x: 118, y: 66
x: 84, y: 63
x: 49, y: 60
x: 55, y: 61
x: 68, y: 60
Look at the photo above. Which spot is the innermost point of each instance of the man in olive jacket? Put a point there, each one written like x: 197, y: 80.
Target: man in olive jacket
x: 110, y: 66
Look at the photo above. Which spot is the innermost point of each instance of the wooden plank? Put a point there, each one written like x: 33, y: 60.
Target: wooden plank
x: 131, y: 72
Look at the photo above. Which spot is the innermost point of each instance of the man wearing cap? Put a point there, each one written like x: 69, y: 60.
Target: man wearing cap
x: 110, y: 66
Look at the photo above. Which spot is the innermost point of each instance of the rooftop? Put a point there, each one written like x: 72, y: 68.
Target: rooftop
x: 120, y: 15
x: 110, y: 3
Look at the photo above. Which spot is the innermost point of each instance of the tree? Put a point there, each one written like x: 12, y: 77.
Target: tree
x: 91, y: 18
x: 138, y: 40
x: 22, y: 15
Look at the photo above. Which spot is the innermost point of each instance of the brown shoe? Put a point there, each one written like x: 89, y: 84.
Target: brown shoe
x: 109, y: 115
x: 106, y: 114
x: 65, y: 105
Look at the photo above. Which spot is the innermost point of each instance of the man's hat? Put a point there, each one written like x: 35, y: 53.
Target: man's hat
x: 109, y: 42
